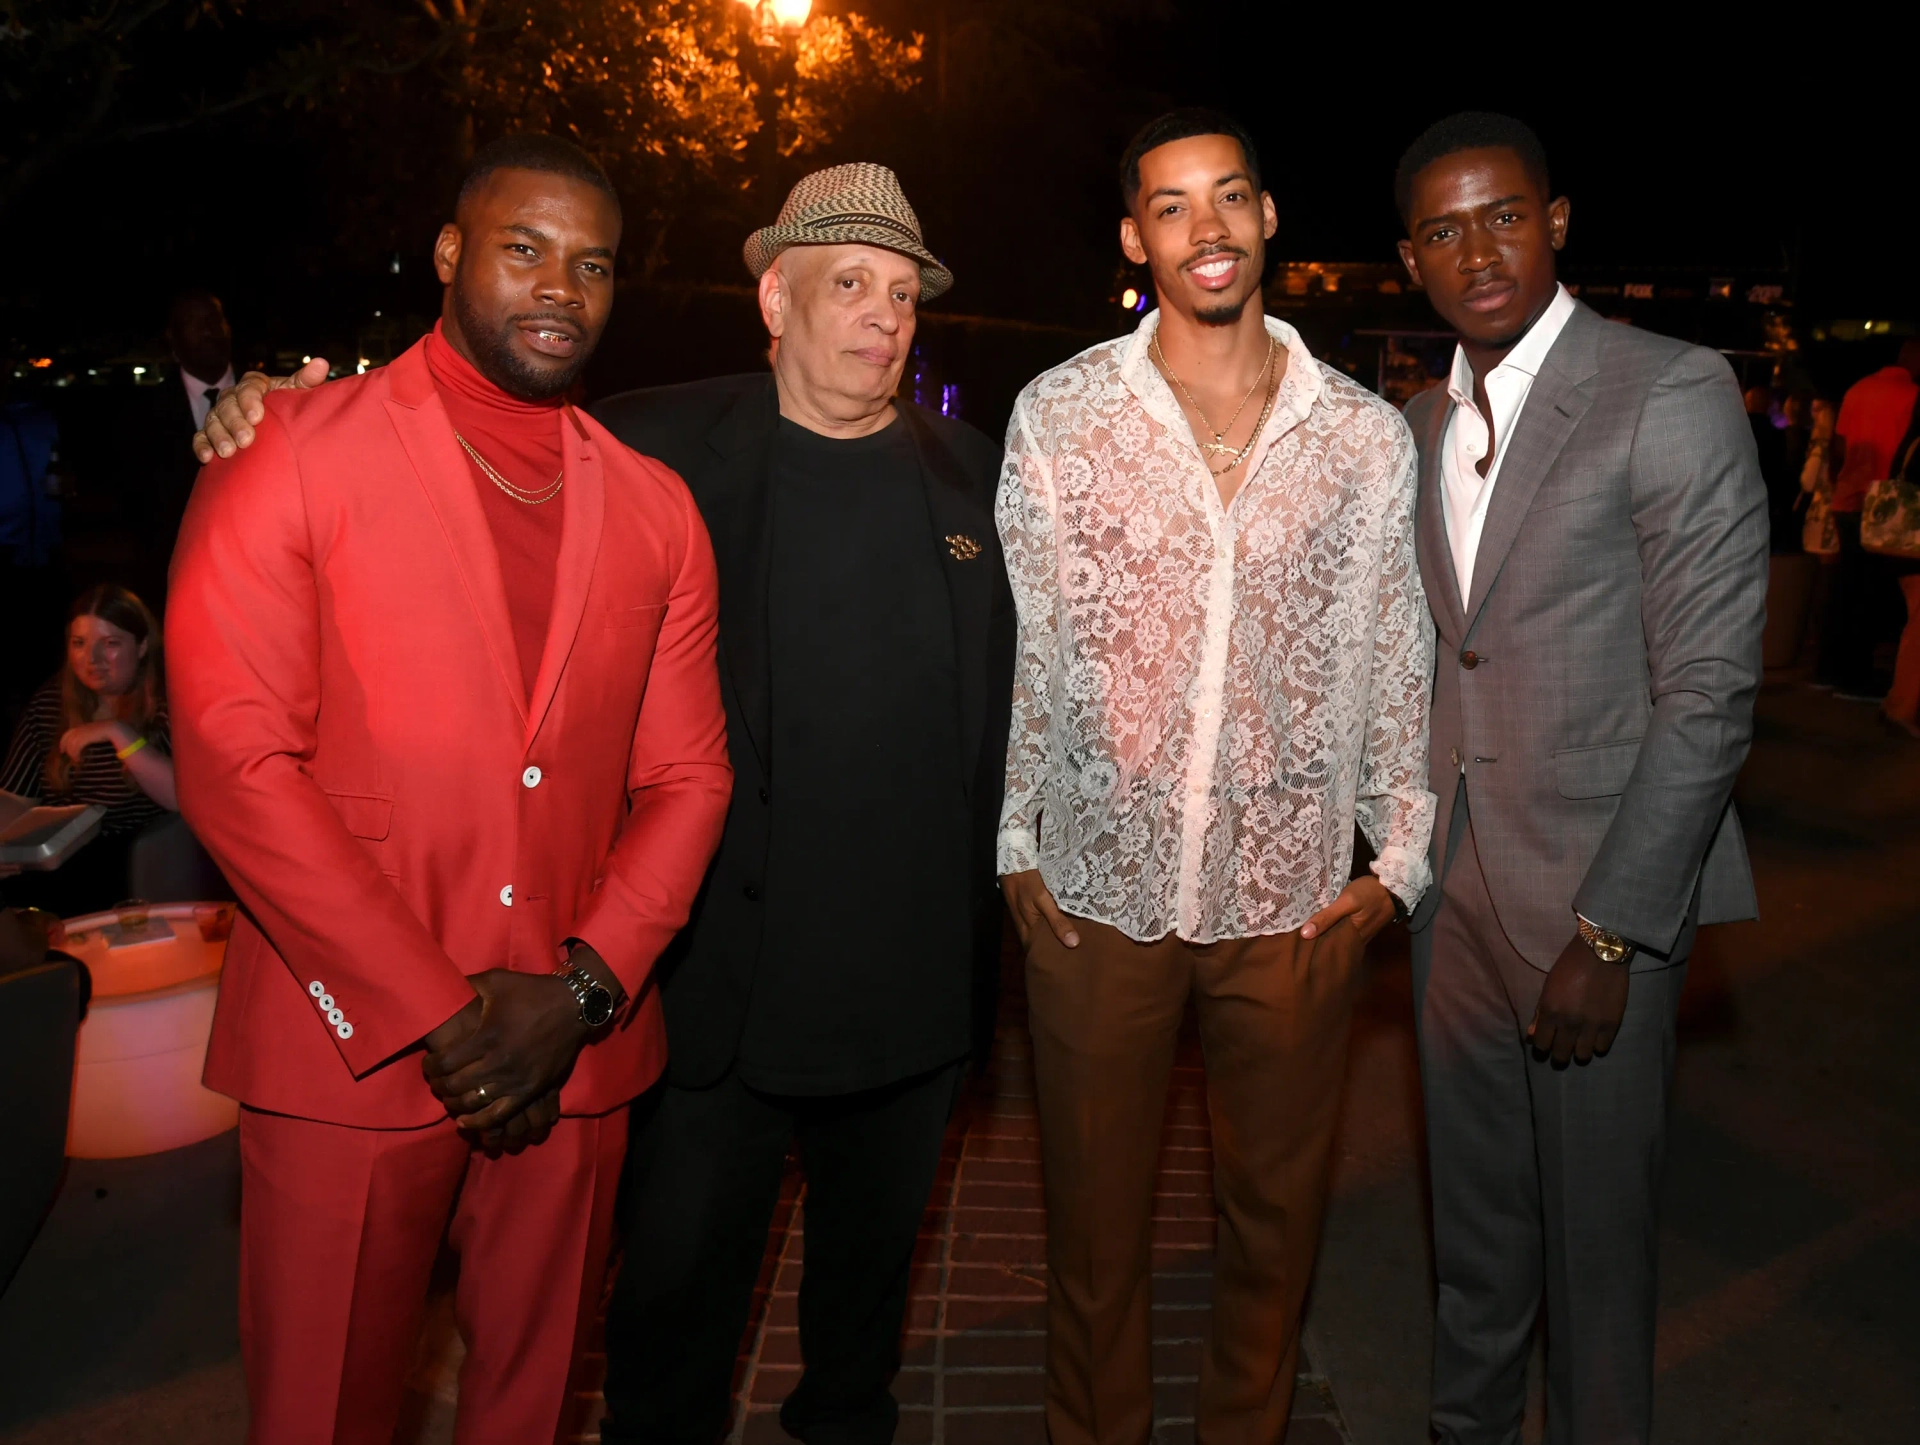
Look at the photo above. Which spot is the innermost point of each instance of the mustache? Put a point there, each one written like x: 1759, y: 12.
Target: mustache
x: 1208, y: 253
x: 552, y: 320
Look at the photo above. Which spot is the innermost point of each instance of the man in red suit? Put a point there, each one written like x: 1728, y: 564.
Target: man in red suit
x: 446, y: 712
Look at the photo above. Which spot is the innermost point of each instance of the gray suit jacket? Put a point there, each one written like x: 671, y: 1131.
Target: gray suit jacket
x: 1614, y: 641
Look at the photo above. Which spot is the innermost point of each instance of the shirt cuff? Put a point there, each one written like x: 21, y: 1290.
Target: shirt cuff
x: 1406, y: 874
x: 1018, y: 851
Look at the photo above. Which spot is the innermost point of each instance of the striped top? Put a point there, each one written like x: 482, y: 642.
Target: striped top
x: 99, y: 776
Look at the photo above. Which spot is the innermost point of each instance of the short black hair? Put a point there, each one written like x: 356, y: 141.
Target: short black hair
x: 192, y: 296
x: 1469, y: 130
x: 535, y: 151
x: 1183, y: 124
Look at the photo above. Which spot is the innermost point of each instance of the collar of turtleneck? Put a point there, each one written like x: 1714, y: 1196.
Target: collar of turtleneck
x: 460, y: 381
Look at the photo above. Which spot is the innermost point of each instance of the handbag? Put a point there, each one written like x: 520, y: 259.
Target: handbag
x: 1819, y: 534
x: 1890, y: 515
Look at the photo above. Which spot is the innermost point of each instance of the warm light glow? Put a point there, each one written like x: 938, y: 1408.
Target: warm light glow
x: 40, y: 363
x: 1129, y: 298
x: 788, y: 14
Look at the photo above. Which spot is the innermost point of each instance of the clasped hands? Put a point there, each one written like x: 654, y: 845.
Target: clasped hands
x: 498, y: 1064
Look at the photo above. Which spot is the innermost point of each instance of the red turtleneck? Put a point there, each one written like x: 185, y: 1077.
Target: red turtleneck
x: 521, y: 441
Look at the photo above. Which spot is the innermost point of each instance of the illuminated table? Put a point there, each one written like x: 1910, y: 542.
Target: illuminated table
x: 136, y: 1073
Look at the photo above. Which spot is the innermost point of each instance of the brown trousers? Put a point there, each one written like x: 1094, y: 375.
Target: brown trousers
x: 1274, y: 1015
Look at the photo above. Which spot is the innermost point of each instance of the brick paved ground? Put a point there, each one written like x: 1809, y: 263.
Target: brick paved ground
x: 975, y: 1342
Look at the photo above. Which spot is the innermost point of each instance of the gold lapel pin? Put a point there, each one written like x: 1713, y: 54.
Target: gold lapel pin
x: 963, y: 547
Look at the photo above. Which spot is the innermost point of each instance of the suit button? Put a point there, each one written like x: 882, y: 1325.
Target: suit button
x: 531, y: 777
x: 750, y: 893
x: 326, y: 1004
x: 506, y: 895
x: 764, y: 797
x: 1469, y: 660
x: 345, y: 1030
x: 316, y: 988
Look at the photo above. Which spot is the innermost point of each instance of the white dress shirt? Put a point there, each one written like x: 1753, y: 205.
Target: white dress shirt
x: 1467, y: 493
x: 197, y: 397
x: 1208, y: 697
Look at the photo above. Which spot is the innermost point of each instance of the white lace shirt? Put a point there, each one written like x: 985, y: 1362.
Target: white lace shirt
x: 1207, y: 698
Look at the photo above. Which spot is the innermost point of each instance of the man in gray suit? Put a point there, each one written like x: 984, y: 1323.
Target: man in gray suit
x: 1592, y: 531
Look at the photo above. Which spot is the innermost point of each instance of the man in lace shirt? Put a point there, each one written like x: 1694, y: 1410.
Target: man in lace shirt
x: 1224, y: 662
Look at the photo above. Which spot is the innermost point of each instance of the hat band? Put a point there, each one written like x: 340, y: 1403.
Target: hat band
x: 862, y: 218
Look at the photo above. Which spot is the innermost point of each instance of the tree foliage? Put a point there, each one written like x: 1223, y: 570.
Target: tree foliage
x: 670, y: 83
x: 678, y: 97
x: 675, y: 95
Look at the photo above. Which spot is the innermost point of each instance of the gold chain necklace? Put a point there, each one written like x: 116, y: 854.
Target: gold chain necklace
x: 1218, y: 446
x: 519, y: 494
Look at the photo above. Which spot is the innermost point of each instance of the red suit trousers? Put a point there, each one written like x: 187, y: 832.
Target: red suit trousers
x: 339, y: 1228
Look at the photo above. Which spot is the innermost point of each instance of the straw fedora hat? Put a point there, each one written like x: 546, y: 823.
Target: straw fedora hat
x: 857, y: 204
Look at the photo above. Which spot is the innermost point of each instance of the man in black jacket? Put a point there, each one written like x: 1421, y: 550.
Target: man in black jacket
x: 838, y: 966
x: 151, y: 469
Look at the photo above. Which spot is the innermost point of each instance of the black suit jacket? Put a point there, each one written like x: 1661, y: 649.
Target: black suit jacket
x: 153, y: 470
x: 718, y: 435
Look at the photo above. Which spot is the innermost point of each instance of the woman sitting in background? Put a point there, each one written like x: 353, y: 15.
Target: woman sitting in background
x: 96, y: 732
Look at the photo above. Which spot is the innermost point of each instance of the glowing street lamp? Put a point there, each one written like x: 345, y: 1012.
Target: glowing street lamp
x: 780, y: 14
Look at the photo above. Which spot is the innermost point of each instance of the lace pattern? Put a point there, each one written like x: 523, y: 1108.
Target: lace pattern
x: 1207, y: 698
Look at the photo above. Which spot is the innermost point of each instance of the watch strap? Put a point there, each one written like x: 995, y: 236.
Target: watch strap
x: 1607, y: 946
x: 583, y: 986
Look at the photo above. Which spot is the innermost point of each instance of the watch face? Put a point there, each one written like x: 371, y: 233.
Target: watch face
x: 597, y: 1007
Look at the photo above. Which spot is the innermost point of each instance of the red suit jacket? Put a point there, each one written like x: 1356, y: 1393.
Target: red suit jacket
x: 354, y: 746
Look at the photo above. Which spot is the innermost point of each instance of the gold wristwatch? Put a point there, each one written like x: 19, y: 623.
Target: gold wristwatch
x: 1607, y: 947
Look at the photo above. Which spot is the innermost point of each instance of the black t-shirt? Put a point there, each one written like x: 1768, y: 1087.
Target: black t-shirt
x: 864, y: 970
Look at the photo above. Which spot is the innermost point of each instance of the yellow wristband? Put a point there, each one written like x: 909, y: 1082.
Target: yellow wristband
x: 130, y: 749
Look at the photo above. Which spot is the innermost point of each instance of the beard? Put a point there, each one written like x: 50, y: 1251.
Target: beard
x: 1224, y: 314
x: 1226, y: 310
x: 497, y: 360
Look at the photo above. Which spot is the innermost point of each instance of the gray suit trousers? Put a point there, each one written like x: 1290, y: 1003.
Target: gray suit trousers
x: 1544, y: 1182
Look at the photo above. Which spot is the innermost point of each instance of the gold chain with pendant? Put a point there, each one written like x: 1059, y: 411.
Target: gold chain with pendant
x: 1218, y: 446
x: 519, y: 494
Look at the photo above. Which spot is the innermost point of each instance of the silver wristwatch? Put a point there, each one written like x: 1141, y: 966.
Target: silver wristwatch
x: 594, y: 998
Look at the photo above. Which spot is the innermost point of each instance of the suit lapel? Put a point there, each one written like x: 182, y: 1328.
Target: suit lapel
x: 1554, y: 406
x: 968, y: 548
x: 738, y: 506
x: 584, y: 495
x: 441, y: 469
x: 1430, y: 523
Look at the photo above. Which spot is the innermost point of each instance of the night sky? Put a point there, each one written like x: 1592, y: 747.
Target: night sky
x: 1677, y: 150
